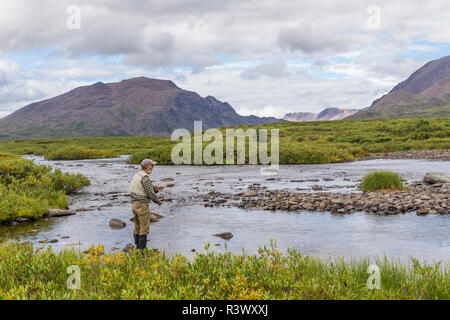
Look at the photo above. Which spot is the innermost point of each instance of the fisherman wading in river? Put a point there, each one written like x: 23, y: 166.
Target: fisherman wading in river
x: 142, y: 192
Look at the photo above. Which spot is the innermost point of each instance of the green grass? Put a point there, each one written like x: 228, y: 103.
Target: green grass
x: 268, y: 274
x: 78, y: 154
x: 382, y: 180
x: 29, y: 190
x: 300, y: 142
x: 414, y: 108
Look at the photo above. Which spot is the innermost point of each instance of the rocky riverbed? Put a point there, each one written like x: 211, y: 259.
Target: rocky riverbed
x: 443, y: 155
x: 418, y: 198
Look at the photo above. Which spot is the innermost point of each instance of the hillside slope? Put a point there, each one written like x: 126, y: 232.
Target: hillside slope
x: 134, y: 107
x: 326, y: 114
x: 426, y: 93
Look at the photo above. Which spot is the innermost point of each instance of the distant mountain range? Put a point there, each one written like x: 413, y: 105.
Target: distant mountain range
x: 152, y: 107
x: 134, y: 107
x: 327, y: 114
x: 426, y: 93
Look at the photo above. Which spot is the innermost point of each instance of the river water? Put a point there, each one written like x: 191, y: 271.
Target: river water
x: 188, y: 225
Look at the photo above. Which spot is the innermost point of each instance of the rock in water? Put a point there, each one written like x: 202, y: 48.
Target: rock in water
x: 155, y: 217
x: 59, y: 213
x: 128, y: 248
x: 117, y: 224
x: 436, y: 177
x: 224, y: 235
x: 422, y: 212
x: 48, y: 241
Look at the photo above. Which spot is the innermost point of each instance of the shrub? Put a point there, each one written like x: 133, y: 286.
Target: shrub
x: 300, y: 142
x: 382, y: 180
x: 267, y: 274
x: 78, y: 154
x: 7, y: 156
x: 160, y: 154
x: 29, y: 190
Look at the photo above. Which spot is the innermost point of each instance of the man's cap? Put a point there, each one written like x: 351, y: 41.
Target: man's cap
x: 147, y: 162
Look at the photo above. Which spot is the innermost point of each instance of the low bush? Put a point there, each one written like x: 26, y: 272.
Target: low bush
x: 300, y: 142
x: 382, y: 181
x: 7, y: 156
x: 269, y: 274
x: 29, y: 190
x: 160, y: 154
x: 78, y: 154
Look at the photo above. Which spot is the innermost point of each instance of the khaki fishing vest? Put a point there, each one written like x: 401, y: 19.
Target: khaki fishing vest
x: 136, y: 184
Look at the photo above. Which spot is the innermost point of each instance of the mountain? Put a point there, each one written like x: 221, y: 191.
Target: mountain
x: 133, y: 107
x: 300, y: 116
x: 426, y: 93
x: 327, y: 114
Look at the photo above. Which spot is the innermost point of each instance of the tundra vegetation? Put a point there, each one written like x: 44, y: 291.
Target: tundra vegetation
x: 300, y: 142
x: 28, y: 190
x: 382, y: 180
x: 78, y: 154
x: 32, y: 274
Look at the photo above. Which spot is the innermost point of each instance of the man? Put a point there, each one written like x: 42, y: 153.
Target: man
x: 142, y: 192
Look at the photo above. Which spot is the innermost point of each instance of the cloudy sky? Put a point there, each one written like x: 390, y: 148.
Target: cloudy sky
x: 264, y: 57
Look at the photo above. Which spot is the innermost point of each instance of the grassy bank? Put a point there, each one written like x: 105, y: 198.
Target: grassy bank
x: 300, y: 142
x: 28, y: 190
x: 266, y: 275
x: 78, y: 154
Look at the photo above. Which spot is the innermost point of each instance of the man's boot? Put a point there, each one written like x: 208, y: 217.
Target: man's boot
x: 136, y: 239
x: 142, y: 242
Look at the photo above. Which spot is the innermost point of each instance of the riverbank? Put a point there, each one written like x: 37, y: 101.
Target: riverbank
x: 442, y: 155
x: 299, y: 142
x: 27, y: 274
x: 30, y: 191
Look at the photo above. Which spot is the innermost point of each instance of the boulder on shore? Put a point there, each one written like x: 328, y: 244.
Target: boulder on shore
x: 436, y: 177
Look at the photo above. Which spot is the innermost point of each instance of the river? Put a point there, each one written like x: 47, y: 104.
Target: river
x: 188, y: 225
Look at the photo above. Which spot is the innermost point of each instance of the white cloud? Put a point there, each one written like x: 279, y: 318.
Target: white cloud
x: 266, y: 57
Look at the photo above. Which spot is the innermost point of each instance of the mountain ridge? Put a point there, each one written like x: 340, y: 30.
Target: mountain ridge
x: 132, y: 107
x: 425, y: 93
x: 327, y: 114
